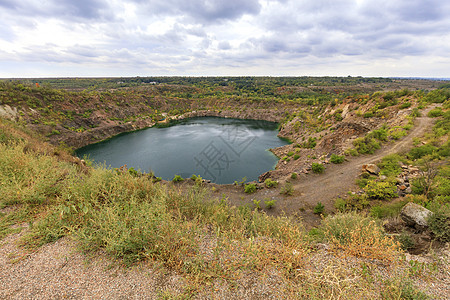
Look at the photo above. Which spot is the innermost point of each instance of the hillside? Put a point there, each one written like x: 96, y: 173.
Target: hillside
x: 146, y: 238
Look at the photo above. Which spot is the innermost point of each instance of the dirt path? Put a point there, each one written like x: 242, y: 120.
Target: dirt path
x: 336, y: 181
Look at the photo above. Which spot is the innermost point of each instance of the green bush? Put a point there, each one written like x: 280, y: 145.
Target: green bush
x: 287, y: 189
x: 387, y: 210
x: 296, y: 156
x: 337, y: 159
x: 390, y: 165
x: 380, y: 190
x: 269, y: 203
x: 366, y: 145
x: 198, y: 180
x: 368, y: 114
x: 250, y: 188
x: 439, y: 224
x: 415, y: 113
x: 406, y: 241
x: 133, y: 172
x: 269, y: 183
x: 311, y: 143
x: 177, y: 178
x: 405, y: 105
x: 434, y: 113
x: 419, y: 152
x: 317, y: 168
x: 319, y: 208
x: 290, y: 153
x: 294, y: 175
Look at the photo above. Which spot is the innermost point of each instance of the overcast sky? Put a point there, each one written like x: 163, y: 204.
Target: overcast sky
x: 55, y: 38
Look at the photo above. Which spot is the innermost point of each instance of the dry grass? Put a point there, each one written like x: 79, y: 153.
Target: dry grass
x: 206, y: 241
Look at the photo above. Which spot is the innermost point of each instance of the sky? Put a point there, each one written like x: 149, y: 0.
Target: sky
x: 112, y: 38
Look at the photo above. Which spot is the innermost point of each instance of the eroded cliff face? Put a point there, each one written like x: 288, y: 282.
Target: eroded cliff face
x: 315, y: 130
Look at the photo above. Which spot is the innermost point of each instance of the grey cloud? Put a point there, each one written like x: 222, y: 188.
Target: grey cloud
x: 224, y: 45
x: 61, y: 9
x: 202, y: 11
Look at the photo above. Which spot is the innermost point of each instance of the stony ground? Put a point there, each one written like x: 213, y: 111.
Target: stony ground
x: 336, y: 181
x: 59, y: 271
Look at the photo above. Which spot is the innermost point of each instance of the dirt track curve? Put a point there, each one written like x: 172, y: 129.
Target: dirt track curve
x: 337, y: 180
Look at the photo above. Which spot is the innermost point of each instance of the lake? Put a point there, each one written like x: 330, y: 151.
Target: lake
x: 219, y: 149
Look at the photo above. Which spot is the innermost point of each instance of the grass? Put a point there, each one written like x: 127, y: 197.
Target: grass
x: 133, y: 219
x: 357, y: 235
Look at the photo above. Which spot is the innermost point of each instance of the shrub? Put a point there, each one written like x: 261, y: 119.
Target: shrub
x: 340, y: 205
x: 294, y: 175
x: 380, y: 190
x: 250, y: 188
x: 357, y: 235
x: 177, y: 178
x: 434, y: 113
x: 368, y: 114
x: 290, y: 153
x: 296, y: 156
x: 269, y: 183
x: 390, y: 166
x: 439, y: 224
x: 366, y: 145
x: 337, y: 159
x: 415, y: 113
x: 387, y: 210
x: 397, y: 133
x: 198, y: 180
x: 405, y: 105
x: 319, y: 208
x: 257, y: 203
x: 133, y: 172
x: 317, y: 168
x: 287, y: 189
x: 405, y: 240
x: 419, y: 152
x: 311, y: 143
x: 269, y: 203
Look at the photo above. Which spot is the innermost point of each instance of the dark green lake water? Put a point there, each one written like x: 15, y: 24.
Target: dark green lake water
x: 219, y: 149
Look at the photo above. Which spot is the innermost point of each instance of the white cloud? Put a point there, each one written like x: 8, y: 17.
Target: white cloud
x: 212, y: 37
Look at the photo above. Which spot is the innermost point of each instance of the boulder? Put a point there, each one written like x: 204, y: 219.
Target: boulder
x: 415, y: 215
x: 371, y: 168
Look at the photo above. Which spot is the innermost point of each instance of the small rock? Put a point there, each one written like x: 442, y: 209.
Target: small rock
x: 383, y: 177
x: 402, y: 187
x: 415, y: 215
x: 371, y: 168
x: 408, y: 190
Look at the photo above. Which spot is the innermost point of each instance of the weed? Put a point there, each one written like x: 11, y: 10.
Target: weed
x: 337, y: 159
x: 287, y: 189
x: 439, y: 224
x: 434, y: 113
x: 177, y: 178
x: 358, y: 236
x: 380, y: 190
x: 269, y: 183
x: 317, y: 168
x: 406, y: 241
x: 257, y: 203
x: 319, y: 208
x: 387, y: 210
x: 294, y: 175
x: 269, y: 203
x: 250, y: 188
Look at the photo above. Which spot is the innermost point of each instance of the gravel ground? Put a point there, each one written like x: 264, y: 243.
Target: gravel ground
x: 59, y: 271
